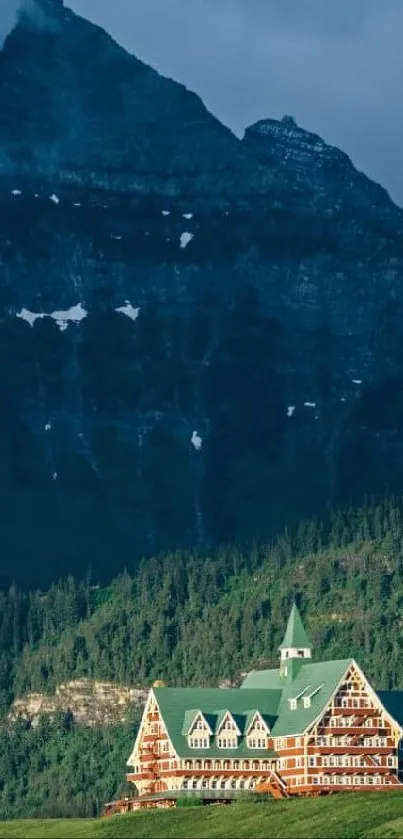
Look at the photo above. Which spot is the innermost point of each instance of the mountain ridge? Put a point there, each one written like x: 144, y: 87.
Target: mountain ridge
x: 198, y: 344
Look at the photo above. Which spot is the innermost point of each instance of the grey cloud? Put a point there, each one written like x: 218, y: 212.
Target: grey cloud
x: 8, y: 17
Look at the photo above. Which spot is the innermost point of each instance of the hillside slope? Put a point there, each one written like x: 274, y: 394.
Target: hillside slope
x: 354, y: 815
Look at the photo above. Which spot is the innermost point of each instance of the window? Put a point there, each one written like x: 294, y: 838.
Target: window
x: 293, y: 704
x: 312, y: 761
x: 185, y: 784
x: 256, y: 742
x: 198, y: 742
x: 214, y: 784
x: 229, y: 742
x: 205, y: 783
x: 194, y: 783
x: 307, y: 701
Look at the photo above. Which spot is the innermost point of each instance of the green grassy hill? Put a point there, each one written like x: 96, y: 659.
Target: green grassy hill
x: 347, y: 816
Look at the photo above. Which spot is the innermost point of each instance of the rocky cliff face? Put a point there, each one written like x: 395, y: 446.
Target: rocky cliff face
x: 90, y: 703
x: 200, y: 338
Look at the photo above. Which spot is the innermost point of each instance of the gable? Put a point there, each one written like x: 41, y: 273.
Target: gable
x: 192, y: 719
x: 253, y: 719
x: 225, y: 720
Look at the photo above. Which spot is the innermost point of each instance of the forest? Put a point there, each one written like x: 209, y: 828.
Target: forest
x: 194, y: 620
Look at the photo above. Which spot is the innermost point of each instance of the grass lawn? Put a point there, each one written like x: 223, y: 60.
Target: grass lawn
x: 343, y: 816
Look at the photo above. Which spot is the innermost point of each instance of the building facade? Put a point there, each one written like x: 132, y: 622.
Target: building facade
x: 306, y: 728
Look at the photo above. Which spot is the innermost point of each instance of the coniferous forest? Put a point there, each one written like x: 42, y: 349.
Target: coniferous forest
x: 188, y: 619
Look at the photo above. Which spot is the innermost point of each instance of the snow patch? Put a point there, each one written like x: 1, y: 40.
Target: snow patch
x: 357, y: 381
x: 342, y: 399
x: 54, y: 476
x: 186, y: 238
x: 310, y: 404
x: 290, y: 410
x: 166, y: 212
x: 73, y: 315
x: 128, y: 310
x: 16, y: 192
x: 30, y: 317
x: 187, y: 215
x: 196, y: 440
x: 55, y: 199
x: 76, y: 204
x: 48, y: 426
x: 114, y: 236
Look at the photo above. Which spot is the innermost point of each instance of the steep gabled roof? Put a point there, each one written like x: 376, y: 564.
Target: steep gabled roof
x: 295, y: 635
x: 222, y: 715
x: 175, y: 704
x: 325, y: 675
x: 250, y: 719
x: 191, y: 717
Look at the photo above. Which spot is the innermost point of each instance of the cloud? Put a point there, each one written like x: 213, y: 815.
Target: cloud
x: 31, y: 11
x: 8, y: 18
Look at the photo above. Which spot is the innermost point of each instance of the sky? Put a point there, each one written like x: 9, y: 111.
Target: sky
x: 335, y: 65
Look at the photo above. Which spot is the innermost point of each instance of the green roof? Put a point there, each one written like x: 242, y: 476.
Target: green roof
x: 295, y: 634
x: 267, y: 692
x: 176, y: 703
x: 325, y: 675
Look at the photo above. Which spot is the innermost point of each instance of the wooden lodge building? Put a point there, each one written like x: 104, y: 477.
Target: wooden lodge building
x: 307, y: 728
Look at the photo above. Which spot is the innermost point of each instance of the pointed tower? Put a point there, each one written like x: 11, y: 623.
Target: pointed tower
x: 296, y: 645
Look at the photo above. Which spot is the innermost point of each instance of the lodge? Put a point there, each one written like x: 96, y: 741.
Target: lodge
x: 306, y: 728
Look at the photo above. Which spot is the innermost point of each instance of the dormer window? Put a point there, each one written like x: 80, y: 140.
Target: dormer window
x: 197, y: 730
x: 257, y: 732
x: 293, y: 700
x: 308, y: 697
x: 227, y: 731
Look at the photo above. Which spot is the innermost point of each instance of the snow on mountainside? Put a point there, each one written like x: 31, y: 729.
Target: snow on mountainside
x: 200, y: 337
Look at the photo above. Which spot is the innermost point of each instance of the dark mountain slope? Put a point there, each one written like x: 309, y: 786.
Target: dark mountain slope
x: 77, y: 108
x: 200, y: 338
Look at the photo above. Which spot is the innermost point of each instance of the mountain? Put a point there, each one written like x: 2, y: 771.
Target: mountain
x: 200, y: 337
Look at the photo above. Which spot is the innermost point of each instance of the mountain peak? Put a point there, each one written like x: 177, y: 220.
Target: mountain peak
x: 300, y: 157
x: 75, y: 106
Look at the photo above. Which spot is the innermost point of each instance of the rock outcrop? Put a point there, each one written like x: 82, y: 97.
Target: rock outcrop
x: 200, y: 337
x: 90, y: 703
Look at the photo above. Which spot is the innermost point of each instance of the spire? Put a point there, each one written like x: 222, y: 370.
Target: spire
x: 295, y: 637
